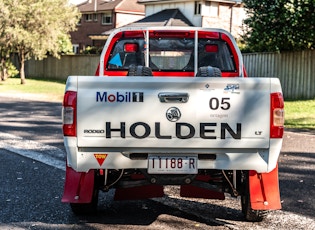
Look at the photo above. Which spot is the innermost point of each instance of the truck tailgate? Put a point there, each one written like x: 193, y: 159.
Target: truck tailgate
x: 174, y: 113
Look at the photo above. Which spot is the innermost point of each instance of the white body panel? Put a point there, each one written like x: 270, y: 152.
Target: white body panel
x: 242, y: 104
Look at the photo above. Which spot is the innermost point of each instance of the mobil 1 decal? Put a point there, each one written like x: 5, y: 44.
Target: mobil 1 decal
x: 119, y: 97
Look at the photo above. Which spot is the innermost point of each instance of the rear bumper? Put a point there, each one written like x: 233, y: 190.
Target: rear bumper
x: 84, y: 159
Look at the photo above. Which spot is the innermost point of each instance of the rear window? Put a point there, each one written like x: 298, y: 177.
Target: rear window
x: 171, y: 54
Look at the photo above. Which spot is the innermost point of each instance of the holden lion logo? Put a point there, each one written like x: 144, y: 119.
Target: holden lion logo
x: 173, y: 114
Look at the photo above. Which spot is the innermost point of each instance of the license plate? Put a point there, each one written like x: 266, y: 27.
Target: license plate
x: 172, y: 165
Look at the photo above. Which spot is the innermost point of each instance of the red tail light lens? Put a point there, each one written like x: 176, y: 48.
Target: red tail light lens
x: 69, y: 113
x: 131, y: 47
x: 211, y: 48
x: 276, y: 115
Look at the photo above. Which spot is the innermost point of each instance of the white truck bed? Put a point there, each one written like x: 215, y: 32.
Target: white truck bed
x: 226, y: 118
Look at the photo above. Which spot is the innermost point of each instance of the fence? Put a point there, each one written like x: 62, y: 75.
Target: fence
x: 62, y: 68
x: 296, y: 70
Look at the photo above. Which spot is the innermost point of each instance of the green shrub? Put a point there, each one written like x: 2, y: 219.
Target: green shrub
x: 7, y: 69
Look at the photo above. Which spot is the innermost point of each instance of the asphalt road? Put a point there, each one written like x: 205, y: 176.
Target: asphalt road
x: 32, y: 177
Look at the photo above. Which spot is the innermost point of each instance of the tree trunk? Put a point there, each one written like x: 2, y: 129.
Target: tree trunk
x: 3, y: 68
x: 22, y: 62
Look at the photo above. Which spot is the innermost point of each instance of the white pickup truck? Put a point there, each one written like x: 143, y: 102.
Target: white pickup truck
x: 173, y: 106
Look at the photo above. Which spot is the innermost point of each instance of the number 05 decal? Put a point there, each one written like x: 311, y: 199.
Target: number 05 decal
x: 215, y: 103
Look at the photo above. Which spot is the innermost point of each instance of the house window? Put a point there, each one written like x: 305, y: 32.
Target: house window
x: 107, y: 18
x: 197, y: 8
x: 95, y: 17
x: 214, y: 9
x: 75, y: 48
x: 88, y: 17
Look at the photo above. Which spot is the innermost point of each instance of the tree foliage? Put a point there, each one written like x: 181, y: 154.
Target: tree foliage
x: 4, y: 49
x: 34, y: 28
x: 279, y: 25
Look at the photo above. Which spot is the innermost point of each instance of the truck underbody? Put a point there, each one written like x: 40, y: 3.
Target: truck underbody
x: 258, y: 191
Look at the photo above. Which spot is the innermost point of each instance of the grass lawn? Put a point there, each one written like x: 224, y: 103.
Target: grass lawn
x: 298, y: 114
x: 51, y: 90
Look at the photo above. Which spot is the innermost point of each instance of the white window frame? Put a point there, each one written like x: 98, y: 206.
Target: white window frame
x: 88, y: 17
x: 75, y: 48
x: 197, y: 8
x: 105, y: 15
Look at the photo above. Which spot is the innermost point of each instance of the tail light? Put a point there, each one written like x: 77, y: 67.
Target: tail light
x: 276, y: 115
x: 69, y: 113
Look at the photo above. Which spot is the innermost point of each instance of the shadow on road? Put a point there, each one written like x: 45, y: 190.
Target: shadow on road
x: 297, y: 184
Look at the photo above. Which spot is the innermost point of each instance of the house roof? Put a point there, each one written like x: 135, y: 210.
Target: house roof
x: 167, y: 17
x: 91, y: 6
x: 159, y: 1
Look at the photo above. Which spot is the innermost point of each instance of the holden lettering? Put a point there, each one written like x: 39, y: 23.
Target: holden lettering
x: 141, y: 130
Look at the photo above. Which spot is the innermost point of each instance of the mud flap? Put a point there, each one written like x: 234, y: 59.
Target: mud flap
x: 78, y: 186
x: 264, y: 190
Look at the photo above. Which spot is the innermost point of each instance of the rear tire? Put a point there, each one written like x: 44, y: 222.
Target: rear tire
x: 250, y: 214
x: 208, y: 71
x: 139, y: 71
x: 88, y: 208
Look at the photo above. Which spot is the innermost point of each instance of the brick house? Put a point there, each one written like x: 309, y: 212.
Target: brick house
x: 103, y: 15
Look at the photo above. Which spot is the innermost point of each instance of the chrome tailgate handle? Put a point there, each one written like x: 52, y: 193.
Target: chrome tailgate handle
x: 173, y: 97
